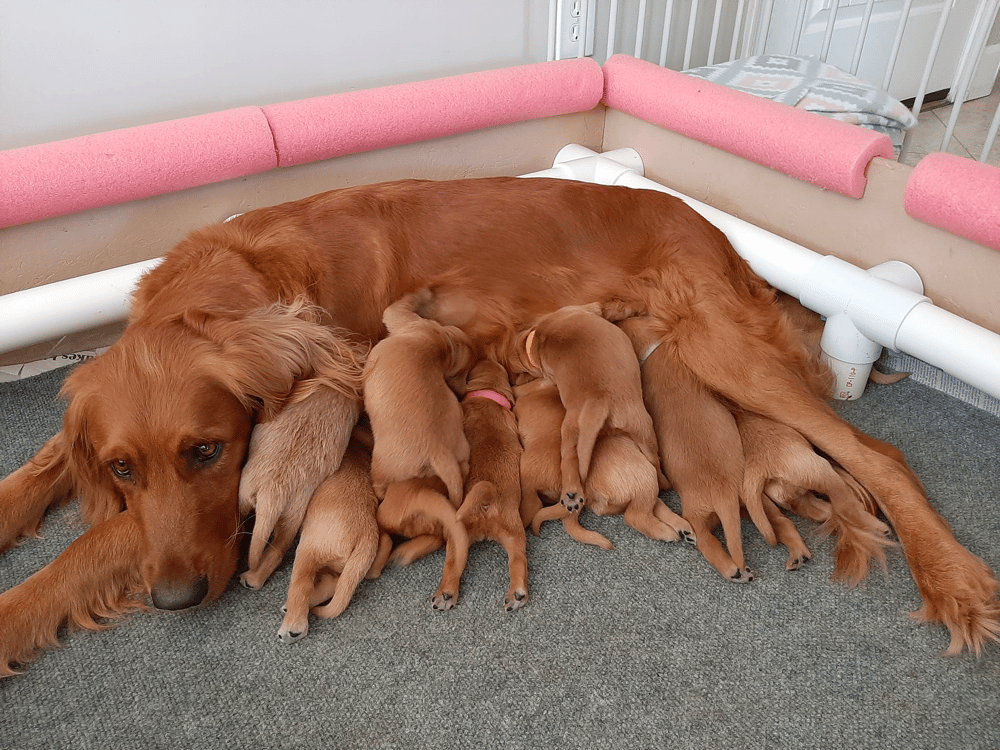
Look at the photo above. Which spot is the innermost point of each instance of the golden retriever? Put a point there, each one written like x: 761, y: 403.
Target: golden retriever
x: 339, y: 542
x: 491, y: 508
x: 156, y: 430
x: 591, y: 362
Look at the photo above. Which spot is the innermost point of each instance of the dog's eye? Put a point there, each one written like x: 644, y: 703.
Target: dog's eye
x: 121, y: 469
x: 206, y: 452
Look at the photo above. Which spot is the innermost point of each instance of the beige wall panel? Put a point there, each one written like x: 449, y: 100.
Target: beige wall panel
x: 960, y: 276
x: 70, y: 246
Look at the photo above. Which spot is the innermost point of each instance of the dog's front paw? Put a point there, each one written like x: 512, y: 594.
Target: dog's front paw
x: 515, y: 600
x: 251, y: 580
x: 291, y: 636
x: 742, y: 576
x: 689, y: 537
x: 444, y: 600
x: 796, y: 561
x: 572, y: 501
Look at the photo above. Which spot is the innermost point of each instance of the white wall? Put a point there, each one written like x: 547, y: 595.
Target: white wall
x: 73, y: 67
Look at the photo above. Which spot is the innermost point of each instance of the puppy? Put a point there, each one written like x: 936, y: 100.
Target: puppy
x: 592, y: 364
x: 699, y: 445
x: 621, y: 481
x: 415, y: 416
x: 288, y: 459
x: 783, y: 468
x: 340, y: 540
x: 491, y: 509
x: 539, y: 412
x: 420, y: 509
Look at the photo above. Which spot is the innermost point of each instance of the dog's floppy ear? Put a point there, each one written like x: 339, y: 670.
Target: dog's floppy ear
x: 617, y: 308
x: 100, y: 498
x: 264, y: 354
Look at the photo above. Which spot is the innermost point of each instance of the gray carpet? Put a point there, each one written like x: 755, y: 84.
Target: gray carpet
x: 645, y: 646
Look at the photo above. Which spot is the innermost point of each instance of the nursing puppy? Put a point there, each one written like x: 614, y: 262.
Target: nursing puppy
x: 340, y: 540
x: 539, y: 412
x: 288, y: 459
x: 621, y: 481
x: 699, y: 445
x: 783, y: 467
x: 592, y: 364
x: 415, y: 416
x: 419, y: 509
x: 491, y: 509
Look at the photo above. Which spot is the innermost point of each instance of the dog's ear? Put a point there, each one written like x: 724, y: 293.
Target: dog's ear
x: 617, y: 308
x: 463, y: 351
x: 263, y: 355
x: 400, y: 314
x: 100, y: 498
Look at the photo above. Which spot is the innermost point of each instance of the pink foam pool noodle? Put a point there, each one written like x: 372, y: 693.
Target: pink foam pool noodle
x: 353, y: 122
x: 63, y: 177
x: 828, y: 153
x: 957, y: 194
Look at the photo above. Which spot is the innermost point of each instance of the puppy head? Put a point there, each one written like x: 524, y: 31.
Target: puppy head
x: 488, y: 374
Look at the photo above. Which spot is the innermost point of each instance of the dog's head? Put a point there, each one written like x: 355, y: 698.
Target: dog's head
x: 160, y: 424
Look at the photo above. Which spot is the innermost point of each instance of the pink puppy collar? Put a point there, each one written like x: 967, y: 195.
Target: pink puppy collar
x: 492, y: 396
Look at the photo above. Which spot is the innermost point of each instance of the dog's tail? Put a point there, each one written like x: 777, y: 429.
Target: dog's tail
x: 265, y: 519
x: 449, y: 472
x: 752, y: 495
x: 571, y: 523
x: 861, y: 537
x: 482, y: 496
x: 591, y: 420
x: 356, y: 567
x: 439, y: 508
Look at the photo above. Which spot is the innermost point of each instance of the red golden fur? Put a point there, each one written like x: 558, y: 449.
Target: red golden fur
x: 591, y: 362
x: 540, y: 414
x: 502, y: 252
x: 414, y: 413
x: 287, y: 460
x: 492, y: 501
x: 781, y: 467
x: 339, y: 542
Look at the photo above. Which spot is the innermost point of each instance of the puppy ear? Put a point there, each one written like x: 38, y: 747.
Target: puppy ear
x: 266, y: 353
x: 616, y: 308
x: 462, y: 349
x: 400, y: 314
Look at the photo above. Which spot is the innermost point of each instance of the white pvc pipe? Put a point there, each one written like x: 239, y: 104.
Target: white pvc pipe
x: 877, y: 303
x: 63, y: 307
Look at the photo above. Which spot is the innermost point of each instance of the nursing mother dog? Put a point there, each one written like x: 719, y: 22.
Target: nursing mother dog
x: 289, y: 297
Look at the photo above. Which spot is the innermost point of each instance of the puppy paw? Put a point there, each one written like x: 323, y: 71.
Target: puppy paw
x: 444, y: 600
x: 796, y: 561
x: 572, y: 501
x: 742, y: 576
x: 251, y: 581
x: 688, y: 536
x: 515, y: 600
x: 291, y: 636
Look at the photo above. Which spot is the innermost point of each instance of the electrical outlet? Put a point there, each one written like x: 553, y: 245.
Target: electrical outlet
x: 574, y: 18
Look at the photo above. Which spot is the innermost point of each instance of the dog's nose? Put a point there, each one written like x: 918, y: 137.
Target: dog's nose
x: 174, y: 595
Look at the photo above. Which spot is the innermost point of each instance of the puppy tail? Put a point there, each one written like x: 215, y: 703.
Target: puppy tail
x: 267, y: 513
x: 592, y: 417
x: 450, y: 473
x: 753, y: 500
x: 355, y: 569
x: 481, y: 496
x: 571, y: 523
